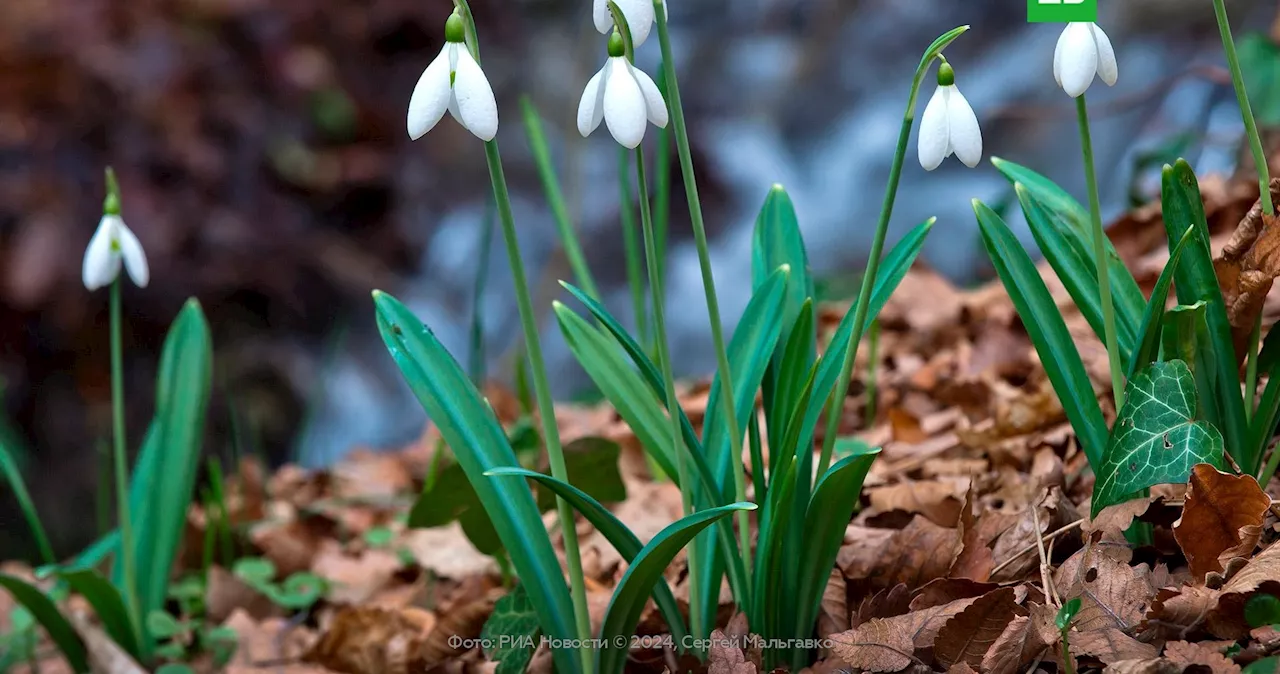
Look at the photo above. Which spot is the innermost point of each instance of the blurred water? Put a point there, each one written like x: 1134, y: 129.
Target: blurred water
x: 809, y: 94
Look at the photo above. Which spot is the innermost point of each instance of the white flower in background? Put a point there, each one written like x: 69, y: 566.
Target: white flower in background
x: 949, y: 125
x: 1083, y: 51
x: 624, y: 96
x: 112, y: 244
x: 454, y: 82
x: 639, y: 15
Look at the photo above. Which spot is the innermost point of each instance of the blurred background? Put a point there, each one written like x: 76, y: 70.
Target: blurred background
x: 262, y: 153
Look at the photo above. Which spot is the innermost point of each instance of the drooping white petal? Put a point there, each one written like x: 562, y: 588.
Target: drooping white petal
x: 591, y: 107
x: 655, y: 105
x: 640, y: 18
x: 135, y: 260
x: 964, y: 133
x: 935, y: 136
x: 624, y: 106
x: 477, y: 109
x: 453, y: 109
x: 1057, y: 58
x: 1079, y: 59
x: 430, y: 96
x: 101, y: 260
x: 1108, y: 70
x: 600, y: 15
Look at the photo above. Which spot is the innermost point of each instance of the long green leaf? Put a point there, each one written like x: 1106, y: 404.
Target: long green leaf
x: 13, y: 477
x: 1047, y: 331
x: 1185, y: 335
x: 1077, y: 271
x: 617, y: 533
x: 1149, y: 332
x: 1156, y: 439
x: 629, y: 598
x: 182, y: 396
x: 790, y: 383
x: 1195, y: 281
x: 834, y: 498
x: 774, y: 519
x: 467, y: 424
x: 1267, y: 416
x: 51, y: 619
x: 107, y: 604
x: 1125, y: 293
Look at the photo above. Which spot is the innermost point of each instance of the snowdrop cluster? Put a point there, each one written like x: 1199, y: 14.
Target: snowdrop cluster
x: 454, y: 82
x: 112, y: 245
x: 623, y: 96
x: 948, y: 125
x: 1083, y: 51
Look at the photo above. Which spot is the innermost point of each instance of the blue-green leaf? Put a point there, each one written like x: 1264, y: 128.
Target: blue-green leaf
x: 107, y: 604
x: 51, y: 619
x: 1152, y: 319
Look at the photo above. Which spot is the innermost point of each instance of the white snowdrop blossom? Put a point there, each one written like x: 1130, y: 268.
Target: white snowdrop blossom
x: 948, y: 125
x: 1083, y: 51
x: 454, y: 82
x: 639, y: 14
x: 622, y: 95
x: 111, y: 245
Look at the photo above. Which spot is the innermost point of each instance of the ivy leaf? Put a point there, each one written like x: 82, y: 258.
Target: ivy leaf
x: 513, y: 626
x: 1156, y: 439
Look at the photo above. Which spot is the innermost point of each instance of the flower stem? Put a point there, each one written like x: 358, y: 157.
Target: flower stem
x: 630, y: 248
x: 542, y: 393
x: 1264, y: 177
x: 680, y: 131
x: 1100, y: 255
x: 664, y: 363
x: 121, y: 460
x: 836, y: 405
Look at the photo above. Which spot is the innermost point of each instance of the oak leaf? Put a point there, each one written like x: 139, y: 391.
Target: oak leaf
x: 1187, y: 654
x: 1222, y: 517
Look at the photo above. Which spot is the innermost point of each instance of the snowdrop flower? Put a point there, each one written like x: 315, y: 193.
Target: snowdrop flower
x: 112, y: 244
x: 949, y: 125
x: 639, y: 15
x: 454, y: 82
x: 1083, y: 51
x: 623, y: 96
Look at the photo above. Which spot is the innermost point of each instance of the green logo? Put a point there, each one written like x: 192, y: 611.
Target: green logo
x: 1061, y: 11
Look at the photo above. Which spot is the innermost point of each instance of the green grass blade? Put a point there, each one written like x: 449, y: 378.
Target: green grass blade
x: 555, y: 196
x: 629, y: 598
x: 1074, y: 268
x: 13, y: 477
x: 478, y: 442
x: 182, y: 396
x: 1149, y: 332
x: 46, y: 613
x: 774, y: 519
x: 617, y: 533
x: 108, y: 605
x: 834, y: 498
x: 1047, y: 331
x: 1267, y: 416
x: 1126, y: 295
x: 1195, y: 281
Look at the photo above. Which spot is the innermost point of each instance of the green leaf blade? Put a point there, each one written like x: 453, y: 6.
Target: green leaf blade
x: 51, y: 619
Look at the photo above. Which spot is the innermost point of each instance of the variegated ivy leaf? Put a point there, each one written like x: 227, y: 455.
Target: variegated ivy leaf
x: 1156, y: 439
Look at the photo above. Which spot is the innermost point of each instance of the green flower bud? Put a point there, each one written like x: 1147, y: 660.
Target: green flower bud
x: 455, y: 29
x: 616, y: 46
x: 946, y: 75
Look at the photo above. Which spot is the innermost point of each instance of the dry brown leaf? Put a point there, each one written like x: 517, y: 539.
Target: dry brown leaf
x: 946, y: 590
x: 372, y: 641
x: 447, y: 552
x: 975, y: 560
x: 833, y: 613
x: 1110, y: 645
x: 465, y: 618
x: 105, y: 655
x: 1018, y: 541
x: 894, y: 601
x: 272, y: 640
x: 1247, y: 268
x: 939, y: 500
x: 1262, y: 573
x: 725, y: 658
x: 1187, y: 654
x: 369, y: 475
x: 1114, y: 520
x: 1222, y: 518
x: 919, y: 553
x: 967, y: 637
x: 1023, y: 640
x: 225, y: 593
x: 1177, y: 613
x: 889, y: 644
x: 354, y: 579
x: 1113, y: 594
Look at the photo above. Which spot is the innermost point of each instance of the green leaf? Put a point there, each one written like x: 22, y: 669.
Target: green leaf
x: 1127, y: 297
x: 1047, y: 331
x: 614, y: 531
x: 835, y: 496
x: 379, y: 537
x: 299, y: 591
x: 774, y: 518
x: 46, y: 613
x: 221, y: 643
x: 173, y: 452
x: 1268, y: 665
x: 1075, y: 267
x: 1152, y: 318
x: 108, y: 605
x: 644, y: 572
x: 254, y: 571
x: 1261, y: 610
x: 1067, y: 613
x: 1156, y: 439
x: 13, y: 477
x: 513, y: 626
x: 1260, y: 65
x: 1195, y: 281
x: 1185, y: 335
x: 467, y: 423
x: 592, y: 465
x: 782, y: 396
x: 163, y: 626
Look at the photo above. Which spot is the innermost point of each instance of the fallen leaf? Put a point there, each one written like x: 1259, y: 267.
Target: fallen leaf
x: 1144, y: 666
x: 967, y: 637
x: 975, y: 561
x: 1110, y: 645
x: 1246, y: 270
x: 446, y: 552
x: 833, y: 613
x: 1113, y: 594
x: 919, y: 553
x: 946, y: 590
x: 371, y: 641
x: 1187, y: 654
x: 894, y: 601
x: 1024, y: 639
x: 1222, y: 517
x: 354, y: 579
x: 889, y: 644
x: 1177, y: 613
x: 936, y: 499
x: 725, y: 658
x: 225, y: 592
